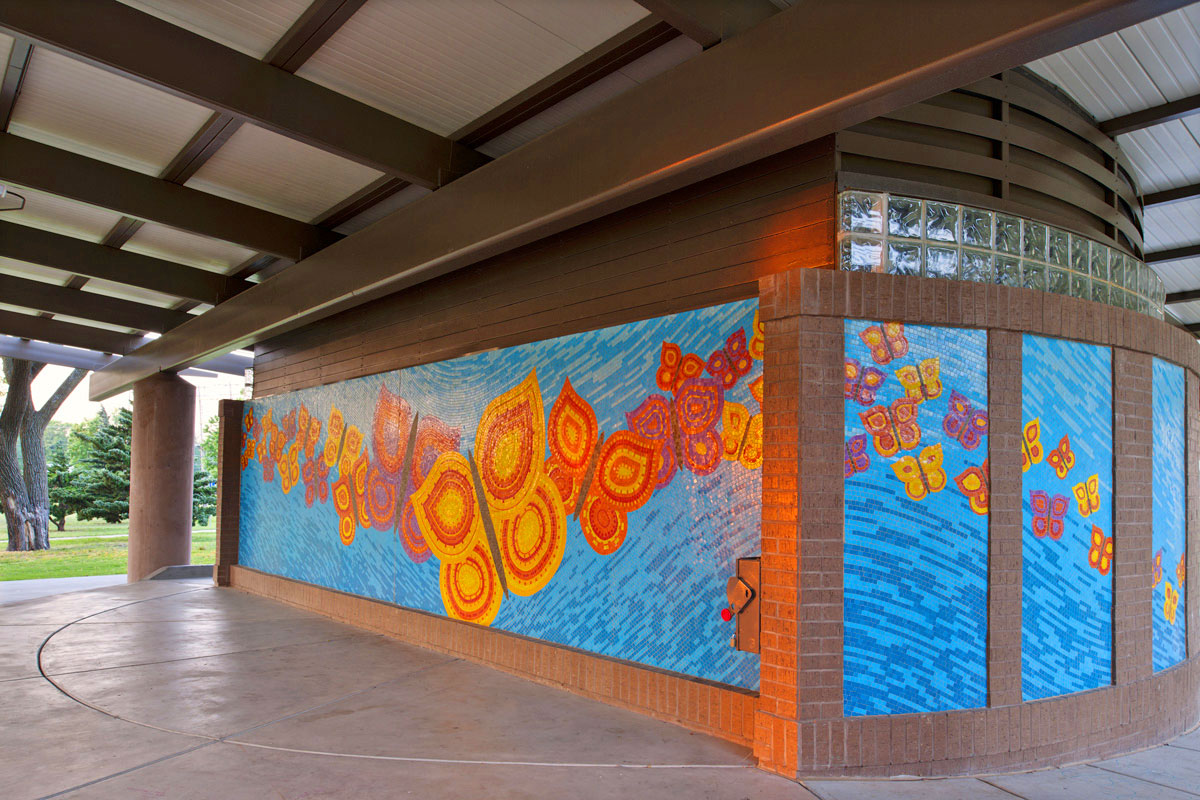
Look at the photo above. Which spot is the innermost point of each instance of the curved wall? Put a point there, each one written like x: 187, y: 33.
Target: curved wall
x: 959, y: 610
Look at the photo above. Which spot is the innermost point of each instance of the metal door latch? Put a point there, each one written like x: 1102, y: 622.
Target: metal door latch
x: 741, y: 590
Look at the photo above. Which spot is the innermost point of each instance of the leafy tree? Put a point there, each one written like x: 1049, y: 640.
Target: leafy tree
x: 67, y: 495
x: 24, y: 489
x: 209, y: 439
x: 204, y: 496
x: 105, y: 479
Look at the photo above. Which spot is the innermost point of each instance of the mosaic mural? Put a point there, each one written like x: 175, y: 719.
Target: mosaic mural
x: 1168, y: 543
x: 593, y: 490
x: 1066, y: 490
x: 916, y: 518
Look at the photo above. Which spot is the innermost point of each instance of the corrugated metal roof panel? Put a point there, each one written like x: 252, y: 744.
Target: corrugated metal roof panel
x: 52, y: 213
x: 443, y: 65
x: 1179, y: 276
x: 84, y: 109
x: 172, y: 244
x: 269, y: 171
x: 1132, y: 70
x: 1187, y: 313
x: 1172, y: 225
x: 659, y: 60
x: 251, y: 26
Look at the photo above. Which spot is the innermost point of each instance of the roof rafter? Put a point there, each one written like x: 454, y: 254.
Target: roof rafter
x: 88, y: 305
x: 67, y: 174
x: 681, y: 143
x: 1172, y: 195
x: 37, y: 246
x: 1173, y: 254
x: 28, y: 326
x: 1176, y: 109
x: 129, y: 42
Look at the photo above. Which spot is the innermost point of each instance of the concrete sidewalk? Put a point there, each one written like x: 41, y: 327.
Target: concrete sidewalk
x: 16, y: 591
x: 177, y: 689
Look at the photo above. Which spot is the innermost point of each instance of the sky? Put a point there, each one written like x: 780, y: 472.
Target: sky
x: 78, y: 408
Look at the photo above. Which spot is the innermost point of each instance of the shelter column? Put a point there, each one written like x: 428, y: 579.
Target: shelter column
x: 160, y: 475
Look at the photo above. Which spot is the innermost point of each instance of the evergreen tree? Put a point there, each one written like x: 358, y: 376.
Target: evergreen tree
x: 67, y: 495
x: 105, y: 478
x: 204, y: 496
x: 209, y: 438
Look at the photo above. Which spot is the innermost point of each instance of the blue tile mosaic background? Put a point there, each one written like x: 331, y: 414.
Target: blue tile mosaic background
x: 656, y: 600
x: 1169, y: 537
x: 1066, y: 602
x: 915, y: 570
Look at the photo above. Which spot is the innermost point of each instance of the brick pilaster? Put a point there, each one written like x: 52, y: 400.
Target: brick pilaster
x: 1004, y: 519
x: 1192, y: 460
x: 775, y: 720
x: 822, y: 445
x: 229, y: 487
x: 1133, y: 461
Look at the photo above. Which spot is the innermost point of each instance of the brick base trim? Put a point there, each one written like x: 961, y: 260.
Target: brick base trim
x: 1052, y: 732
x: 698, y: 705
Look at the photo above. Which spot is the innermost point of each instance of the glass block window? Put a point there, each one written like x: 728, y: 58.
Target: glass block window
x: 906, y: 236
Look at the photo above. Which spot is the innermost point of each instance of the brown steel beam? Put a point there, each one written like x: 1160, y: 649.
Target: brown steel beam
x: 602, y: 60
x: 14, y: 76
x: 129, y: 42
x: 88, y: 305
x: 1172, y: 195
x: 26, y: 326
x: 1183, y: 297
x: 710, y: 22
x: 1193, y: 327
x: 1157, y: 115
x: 373, y: 193
x: 753, y: 96
x: 60, y: 172
x: 120, y: 266
x: 1174, y: 254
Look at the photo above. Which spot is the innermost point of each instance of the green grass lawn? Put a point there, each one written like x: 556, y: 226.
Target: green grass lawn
x: 90, y: 548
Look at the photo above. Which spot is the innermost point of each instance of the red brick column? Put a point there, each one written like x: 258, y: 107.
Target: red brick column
x: 775, y: 719
x: 1133, y: 436
x: 1192, y: 457
x: 229, y: 487
x: 1004, y: 518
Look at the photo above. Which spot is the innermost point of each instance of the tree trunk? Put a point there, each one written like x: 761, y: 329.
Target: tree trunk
x: 60, y: 525
x: 24, y: 488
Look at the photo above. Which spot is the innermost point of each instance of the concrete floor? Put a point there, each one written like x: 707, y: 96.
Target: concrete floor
x: 176, y: 689
x: 16, y: 591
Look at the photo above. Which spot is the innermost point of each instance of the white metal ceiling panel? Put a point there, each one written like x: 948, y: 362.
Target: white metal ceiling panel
x: 578, y: 23
x: 442, y: 65
x: 172, y: 244
x: 659, y: 60
x: 6, y: 43
x: 251, y: 26
x: 1172, y: 225
x: 84, y: 109
x: 52, y: 213
x: 263, y: 169
x: 93, y: 323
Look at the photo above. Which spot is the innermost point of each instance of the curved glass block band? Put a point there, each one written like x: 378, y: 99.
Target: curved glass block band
x: 906, y: 236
